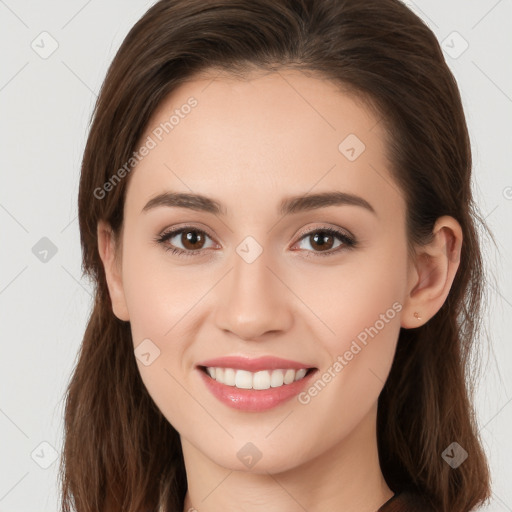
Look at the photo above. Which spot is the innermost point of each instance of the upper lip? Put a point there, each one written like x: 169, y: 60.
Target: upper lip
x: 253, y: 364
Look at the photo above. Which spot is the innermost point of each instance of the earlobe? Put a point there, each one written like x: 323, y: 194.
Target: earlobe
x: 107, y: 251
x: 433, y: 273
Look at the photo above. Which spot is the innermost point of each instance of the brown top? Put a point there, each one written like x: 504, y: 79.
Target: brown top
x: 405, y: 502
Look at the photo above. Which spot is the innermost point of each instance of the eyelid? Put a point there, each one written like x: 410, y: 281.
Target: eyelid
x: 342, y: 231
x: 175, y: 229
x: 299, y: 235
x: 348, y: 241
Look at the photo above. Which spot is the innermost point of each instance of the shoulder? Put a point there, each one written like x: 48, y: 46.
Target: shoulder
x: 406, y: 502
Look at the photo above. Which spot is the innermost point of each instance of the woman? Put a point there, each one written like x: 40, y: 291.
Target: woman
x: 275, y: 205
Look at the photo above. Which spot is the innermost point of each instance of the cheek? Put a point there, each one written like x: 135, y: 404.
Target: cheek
x: 161, y: 299
x: 360, y: 307
x: 353, y: 298
x: 160, y: 294
x: 164, y: 301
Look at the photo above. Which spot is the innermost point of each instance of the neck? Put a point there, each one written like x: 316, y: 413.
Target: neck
x: 346, y: 478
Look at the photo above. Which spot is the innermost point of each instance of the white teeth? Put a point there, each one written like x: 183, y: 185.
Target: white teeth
x: 277, y: 378
x: 243, y: 379
x: 289, y: 376
x: 229, y: 376
x: 264, y: 379
x: 300, y: 373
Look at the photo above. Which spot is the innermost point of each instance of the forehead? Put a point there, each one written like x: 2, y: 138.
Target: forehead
x: 279, y: 133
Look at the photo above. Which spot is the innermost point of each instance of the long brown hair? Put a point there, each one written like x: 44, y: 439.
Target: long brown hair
x: 120, y: 452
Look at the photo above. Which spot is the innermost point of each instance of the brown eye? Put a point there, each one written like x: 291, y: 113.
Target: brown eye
x: 191, y: 240
x: 323, y: 240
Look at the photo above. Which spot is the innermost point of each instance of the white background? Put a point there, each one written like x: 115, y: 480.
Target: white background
x: 45, y: 106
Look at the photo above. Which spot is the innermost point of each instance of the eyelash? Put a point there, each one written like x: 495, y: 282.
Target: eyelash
x: 348, y: 242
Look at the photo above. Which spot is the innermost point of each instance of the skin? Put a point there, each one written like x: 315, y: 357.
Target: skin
x: 248, y: 144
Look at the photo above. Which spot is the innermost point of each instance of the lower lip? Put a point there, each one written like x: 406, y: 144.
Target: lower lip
x: 255, y: 400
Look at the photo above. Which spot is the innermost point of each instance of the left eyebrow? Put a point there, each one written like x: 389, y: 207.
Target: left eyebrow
x: 296, y: 204
x: 289, y: 205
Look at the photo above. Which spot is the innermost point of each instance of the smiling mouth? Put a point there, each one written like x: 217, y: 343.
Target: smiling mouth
x: 260, y: 380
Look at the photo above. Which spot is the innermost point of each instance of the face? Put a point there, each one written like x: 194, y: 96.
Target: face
x: 264, y: 275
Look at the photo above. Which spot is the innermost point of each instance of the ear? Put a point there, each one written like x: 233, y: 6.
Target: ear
x: 432, y: 273
x: 111, y: 263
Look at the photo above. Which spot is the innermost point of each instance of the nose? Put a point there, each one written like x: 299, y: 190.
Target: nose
x: 253, y: 299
